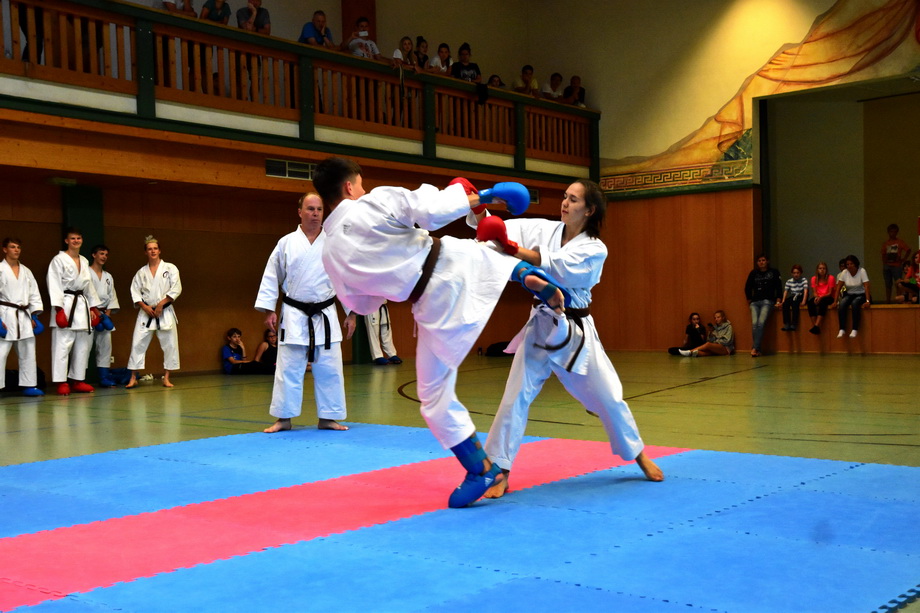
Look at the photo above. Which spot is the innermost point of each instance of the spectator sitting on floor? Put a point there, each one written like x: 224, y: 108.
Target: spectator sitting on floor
x: 233, y: 355
x: 267, y: 351
x: 316, y: 32
x: 694, y: 334
x: 721, y: 339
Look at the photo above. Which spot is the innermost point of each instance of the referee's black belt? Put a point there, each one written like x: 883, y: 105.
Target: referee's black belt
x: 310, y: 309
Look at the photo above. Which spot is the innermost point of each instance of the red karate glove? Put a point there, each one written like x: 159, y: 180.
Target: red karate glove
x: 95, y: 317
x: 61, y: 318
x: 492, y: 228
x: 470, y: 190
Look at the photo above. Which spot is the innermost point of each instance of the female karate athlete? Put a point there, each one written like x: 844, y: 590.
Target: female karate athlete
x: 571, y: 251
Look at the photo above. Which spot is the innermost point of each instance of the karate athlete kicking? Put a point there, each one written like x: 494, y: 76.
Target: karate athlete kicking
x: 375, y: 252
x: 309, y: 330
x: 570, y: 250
x: 154, y: 289
x: 20, y: 304
x: 74, y: 299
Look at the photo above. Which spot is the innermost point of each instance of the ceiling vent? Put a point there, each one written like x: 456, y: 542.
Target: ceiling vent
x: 287, y: 169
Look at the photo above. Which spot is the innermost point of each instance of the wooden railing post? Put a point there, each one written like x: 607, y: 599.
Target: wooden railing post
x: 429, y: 142
x: 146, y: 91
x: 520, y: 136
x: 594, y: 135
x: 307, y: 101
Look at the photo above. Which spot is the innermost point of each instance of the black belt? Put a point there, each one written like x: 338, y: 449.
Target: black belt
x: 311, y: 309
x: 427, y: 269
x: 150, y: 318
x: 577, y: 316
x: 381, y: 312
x: 20, y: 307
x: 76, y: 293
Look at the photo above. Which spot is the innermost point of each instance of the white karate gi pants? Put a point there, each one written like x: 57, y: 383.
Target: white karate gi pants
x: 377, y: 333
x: 600, y: 391
x: 69, y: 354
x: 103, y: 341
x: 169, y: 343
x: 447, y: 418
x: 328, y: 381
x: 25, y: 351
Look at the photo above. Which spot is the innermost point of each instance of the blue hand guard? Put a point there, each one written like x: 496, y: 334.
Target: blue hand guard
x: 524, y: 269
x: 515, y: 195
x: 39, y: 326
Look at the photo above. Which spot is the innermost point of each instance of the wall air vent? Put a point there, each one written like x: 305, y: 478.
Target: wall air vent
x: 534, y: 195
x: 287, y: 169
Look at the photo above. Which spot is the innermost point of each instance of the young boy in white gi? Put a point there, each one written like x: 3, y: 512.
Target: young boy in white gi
x: 74, y: 300
x: 20, y: 303
x: 108, y: 304
x: 309, y: 330
x: 154, y: 289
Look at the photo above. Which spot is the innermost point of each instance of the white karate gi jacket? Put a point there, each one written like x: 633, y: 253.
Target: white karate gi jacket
x: 63, y: 275
x: 22, y: 291
x: 295, y: 267
x: 151, y: 290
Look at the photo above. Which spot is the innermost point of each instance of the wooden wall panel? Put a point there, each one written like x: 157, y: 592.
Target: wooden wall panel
x: 668, y: 257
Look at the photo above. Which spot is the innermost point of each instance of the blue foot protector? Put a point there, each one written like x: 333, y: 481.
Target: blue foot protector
x: 472, y: 488
x: 523, y: 269
x: 32, y: 391
x: 476, y: 482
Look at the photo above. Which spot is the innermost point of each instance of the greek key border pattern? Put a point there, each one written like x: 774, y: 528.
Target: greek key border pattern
x: 673, y: 179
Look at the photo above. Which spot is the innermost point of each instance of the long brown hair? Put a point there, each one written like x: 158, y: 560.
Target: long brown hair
x: 594, y: 198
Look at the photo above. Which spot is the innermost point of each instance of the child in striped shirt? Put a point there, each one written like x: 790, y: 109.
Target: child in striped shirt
x: 794, y: 293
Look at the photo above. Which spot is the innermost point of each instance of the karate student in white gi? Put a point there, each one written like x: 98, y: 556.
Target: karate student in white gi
x: 20, y: 304
x: 309, y: 330
x: 154, y: 289
x: 571, y: 251
x: 108, y: 304
x: 380, y: 332
x: 74, y: 300
x: 378, y: 248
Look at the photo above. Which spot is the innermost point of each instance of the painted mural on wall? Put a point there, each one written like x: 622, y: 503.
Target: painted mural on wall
x: 856, y: 40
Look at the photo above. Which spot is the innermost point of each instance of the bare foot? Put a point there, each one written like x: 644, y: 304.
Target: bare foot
x: 283, y: 423
x: 500, y: 487
x: 330, y: 424
x: 651, y: 470
x: 132, y: 383
x: 166, y: 383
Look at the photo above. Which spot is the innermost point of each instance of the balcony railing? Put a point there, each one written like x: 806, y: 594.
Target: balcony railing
x: 158, y: 57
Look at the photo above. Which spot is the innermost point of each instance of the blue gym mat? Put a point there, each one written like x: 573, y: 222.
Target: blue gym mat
x: 726, y: 532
